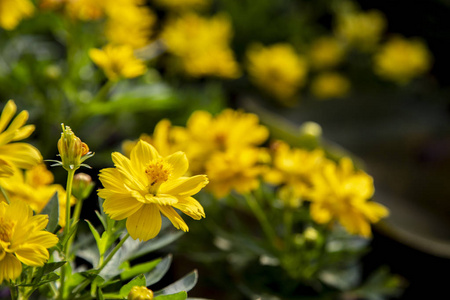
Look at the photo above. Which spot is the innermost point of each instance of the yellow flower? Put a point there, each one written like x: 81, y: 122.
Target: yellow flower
x: 202, y: 45
x: 330, y: 85
x: 234, y: 170
x: 13, y: 11
x: 277, y: 69
x: 36, y: 188
x: 294, y: 167
x: 362, y: 30
x: 22, y: 239
x: 140, y: 293
x: 178, y: 5
x: 326, y: 52
x: 118, y: 61
x: 401, y: 60
x: 21, y: 155
x: 341, y: 193
x: 85, y: 10
x: 140, y: 188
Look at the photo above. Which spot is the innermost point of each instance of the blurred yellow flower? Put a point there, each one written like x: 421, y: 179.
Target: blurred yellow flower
x: 341, y: 193
x: 21, y: 155
x: 294, y: 167
x: 140, y: 293
x: 326, y: 52
x: 13, y: 11
x: 330, y: 85
x: 36, y: 188
x: 202, y: 45
x: 85, y: 10
x: 178, y: 5
x: 142, y: 187
x: 22, y: 239
x: 277, y: 69
x: 234, y: 170
x: 118, y: 61
x: 401, y: 60
x: 361, y: 30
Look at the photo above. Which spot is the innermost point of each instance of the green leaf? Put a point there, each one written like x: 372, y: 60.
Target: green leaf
x: 184, y: 284
x: 72, y: 230
x: 94, y: 232
x: 159, y: 271
x: 43, y: 280
x: 178, y: 296
x: 137, y: 281
x: 140, y: 269
x: 52, y: 210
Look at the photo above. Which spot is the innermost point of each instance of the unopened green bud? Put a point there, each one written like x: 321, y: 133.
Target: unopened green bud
x: 71, y: 149
x: 82, y: 186
x: 140, y: 293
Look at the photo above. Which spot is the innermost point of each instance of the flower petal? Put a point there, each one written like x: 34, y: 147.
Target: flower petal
x: 161, y: 199
x: 32, y: 255
x: 121, y: 206
x: 190, y: 207
x: 184, y: 186
x: 145, y: 224
x: 174, y: 217
x: 131, y: 177
x: 142, y: 154
x: 8, y: 112
x: 179, y: 163
x: 22, y: 155
x: 10, y: 267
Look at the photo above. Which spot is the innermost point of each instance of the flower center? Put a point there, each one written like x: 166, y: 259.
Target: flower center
x: 158, y: 172
x: 6, y: 229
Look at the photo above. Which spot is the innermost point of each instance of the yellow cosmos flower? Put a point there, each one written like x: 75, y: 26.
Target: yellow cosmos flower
x: 330, y: 85
x: 13, y: 11
x: 202, y: 45
x: 22, y: 239
x: 294, y: 167
x: 361, y: 30
x: 142, y: 187
x: 85, y: 10
x: 118, y: 61
x: 234, y: 170
x: 326, y: 52
x: 35, y: 187
x: 20, y: 155
x: 277, y: 69
x: 401, y: 60
x: 341, y: 193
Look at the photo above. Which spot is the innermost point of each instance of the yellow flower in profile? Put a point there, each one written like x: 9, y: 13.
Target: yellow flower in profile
x: 330, y: 85
x: 401, y: 60
x: 361, y: 30
x: 341, y: 193
x: 21, y: 155
x: 35, y: 187
x: 14, y: 11
x: 140, y: 293
x: 202, y: 45
x: 22, y: 239
x: 237, y: 170
x: 326, y: 52
x: 177, y: 5
x: 147, y: 184
x: 118, y: 61
x: 277, y: 69
x: 294, y: 167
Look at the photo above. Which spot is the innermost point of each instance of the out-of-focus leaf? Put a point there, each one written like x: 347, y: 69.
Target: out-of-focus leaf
x: 177, y: 296
x: 342, y: 278
x: 380, y: 285
x: 137, y: 281
x: 52, y: 210
x: 159, y: 271
x: 184, y: 284
x: 140, y: 269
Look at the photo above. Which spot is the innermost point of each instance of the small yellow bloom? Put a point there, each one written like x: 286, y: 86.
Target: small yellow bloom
x: 85, y: 10
x: 401, y: 60
x: 330, y: 85
x: 140, y: 293
x: 361, y: 30
x: 277, y: 69
x: 147, y: 184
x: 177, y: 5
x: 118, y: 61
x: 326, y: 52
x: 341, y: 193
x: 72, y: 150
x: 14, y: 11
x: 20, y: 155
x: 22, y: 239
x: 36, y: 188
x: 234, y: 170
x: 202, y: 45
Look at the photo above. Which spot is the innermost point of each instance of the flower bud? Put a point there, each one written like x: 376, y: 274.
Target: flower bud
x: 71, y: 149
x: 82, y: 186
x: 140, y: 293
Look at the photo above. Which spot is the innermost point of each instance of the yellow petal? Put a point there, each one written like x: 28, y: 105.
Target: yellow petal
x: 179, y: 163
x: 144, y: 224
x: 161, y: 199
x: 8, y: 112
x: 22, y: 155
x: 24, y: 132
x: 134, y: 178
x: 32, y: 255
x: 120, y: 206
x: 320, y: 214
x: 19, y: 120
x: 10, y: 267
x: 142, y: 154
x: 190, y: 207
x: 184, y: 186
x: 174, y: 217
x: 43, y: 238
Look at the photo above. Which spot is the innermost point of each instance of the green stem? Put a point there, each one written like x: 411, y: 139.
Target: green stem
x: 288, y: 218
x: 110, y: 256
x: 262, y: 218
x: 5, y: 194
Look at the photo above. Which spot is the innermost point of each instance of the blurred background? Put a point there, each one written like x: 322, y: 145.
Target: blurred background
x: 369, y: 77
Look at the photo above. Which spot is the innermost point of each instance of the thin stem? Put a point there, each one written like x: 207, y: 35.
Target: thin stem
x: 110, y: 256
x: 288, y: 218
x: 5, y: 194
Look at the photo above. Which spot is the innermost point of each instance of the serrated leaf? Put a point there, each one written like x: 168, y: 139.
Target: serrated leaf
x: 52, y: 210
x: 177, y: 296
x: 137, y: 281
x: 184, y: 284
x: 159, y: 271
x: 140, y: 269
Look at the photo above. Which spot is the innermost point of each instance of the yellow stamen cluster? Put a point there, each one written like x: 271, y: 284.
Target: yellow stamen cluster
x: 158, y: 171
